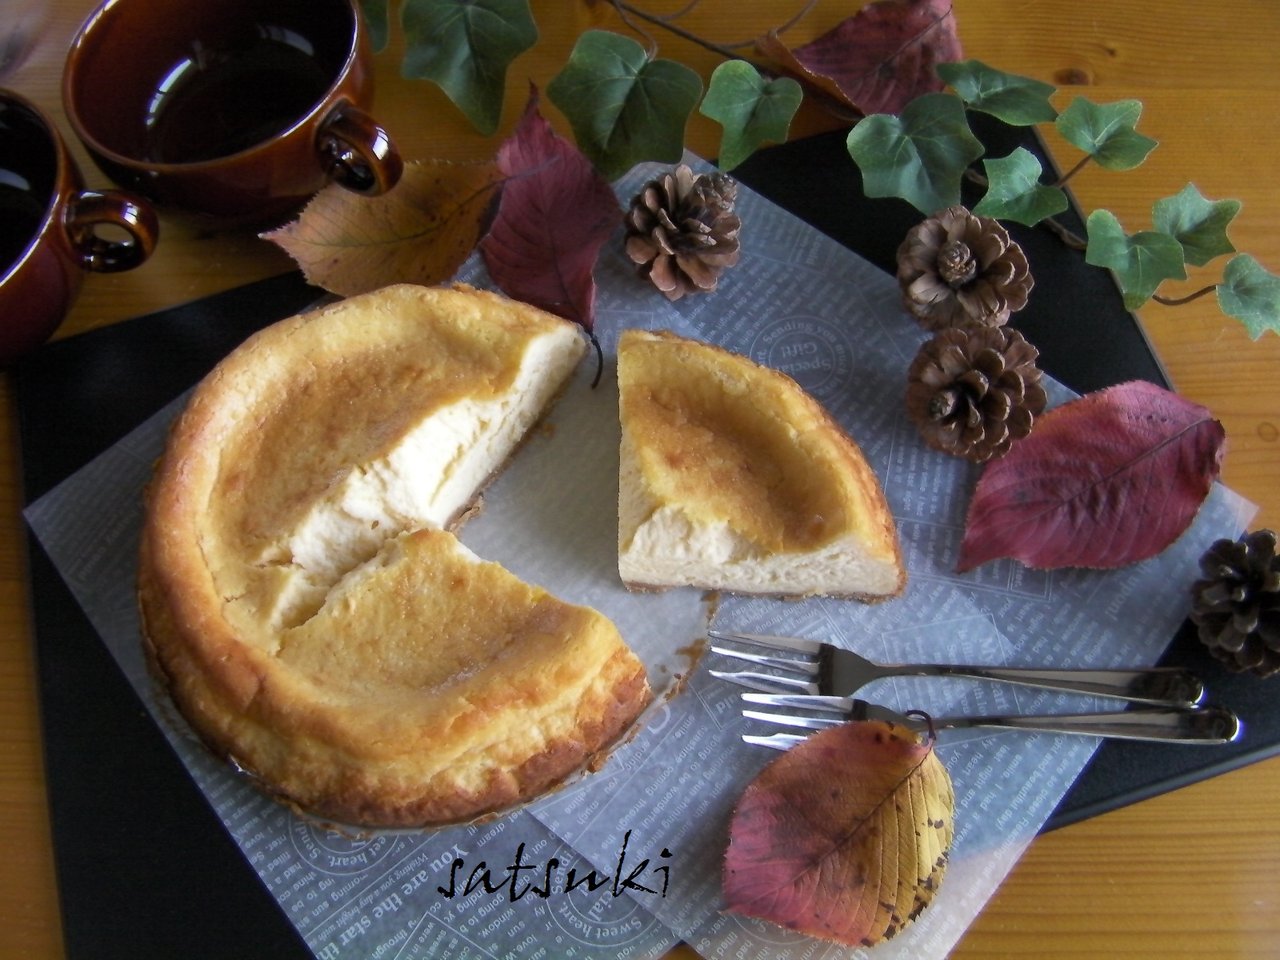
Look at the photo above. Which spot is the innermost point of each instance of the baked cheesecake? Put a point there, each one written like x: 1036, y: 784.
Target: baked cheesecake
x: 733, y: 478
x: 303, y: 597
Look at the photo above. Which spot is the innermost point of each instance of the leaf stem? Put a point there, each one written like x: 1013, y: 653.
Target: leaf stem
x: 1080, y: 165
x: 1178, y: 301
x: 591, y: 335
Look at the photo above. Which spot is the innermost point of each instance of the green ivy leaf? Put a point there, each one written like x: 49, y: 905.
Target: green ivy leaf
x: 375, y: 18
x: 1015, y: 191
x: 920, y: 155
x: 752, y: 110
x: 1016, y: 100
x: 1106, y: 132
x: 1251, y: 295
x: 623, y: 107
x: 1141, y: 261
x: 465, y: 46
x: 1198, y: 224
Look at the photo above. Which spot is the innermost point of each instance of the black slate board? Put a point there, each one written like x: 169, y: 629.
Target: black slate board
x: 144, y: 866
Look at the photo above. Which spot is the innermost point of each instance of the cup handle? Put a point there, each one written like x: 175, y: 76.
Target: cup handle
x: 357, y: 153
x: 90, y: 209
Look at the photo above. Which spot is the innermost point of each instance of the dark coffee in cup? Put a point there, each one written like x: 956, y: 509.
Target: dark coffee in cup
x: 49, y: 227
x: 222, y: 101
x: 28, y: 162
x: 236, y: 111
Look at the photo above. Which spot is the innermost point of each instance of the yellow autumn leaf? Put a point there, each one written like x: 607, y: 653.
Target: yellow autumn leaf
x: 419, y: 232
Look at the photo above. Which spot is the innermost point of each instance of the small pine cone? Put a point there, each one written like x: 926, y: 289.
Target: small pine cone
x: 682, y: 231
x: 956, y: 268
x: 1236, y: 607
x: 973, y: 390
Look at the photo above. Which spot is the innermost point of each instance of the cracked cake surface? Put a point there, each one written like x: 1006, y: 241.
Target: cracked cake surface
x: 304, y: 600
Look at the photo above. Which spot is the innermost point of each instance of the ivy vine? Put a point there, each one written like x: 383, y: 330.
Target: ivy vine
x: 626, y: 104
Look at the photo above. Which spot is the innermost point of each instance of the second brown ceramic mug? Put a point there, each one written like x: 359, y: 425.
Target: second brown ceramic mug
x: 49, y: 228
x: 236, y: 111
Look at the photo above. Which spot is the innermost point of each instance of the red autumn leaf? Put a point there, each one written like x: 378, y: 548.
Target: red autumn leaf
x: 878, y: 60
x: 420, y: 232
x: 1103, y: 481
x: 843, y: 837
x: 555, y: 214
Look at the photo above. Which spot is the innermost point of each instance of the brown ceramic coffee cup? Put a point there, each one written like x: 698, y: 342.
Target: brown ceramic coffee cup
x: 49, y: 228
x: 236, y: 111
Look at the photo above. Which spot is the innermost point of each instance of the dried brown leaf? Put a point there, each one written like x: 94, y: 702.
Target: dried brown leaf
x: 420, y: 232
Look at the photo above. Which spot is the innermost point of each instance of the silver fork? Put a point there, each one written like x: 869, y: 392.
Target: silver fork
x: 816, y: 667
x: 1201, y: 725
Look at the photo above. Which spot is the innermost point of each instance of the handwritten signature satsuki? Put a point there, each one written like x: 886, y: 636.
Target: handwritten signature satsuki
x: 520, y: 878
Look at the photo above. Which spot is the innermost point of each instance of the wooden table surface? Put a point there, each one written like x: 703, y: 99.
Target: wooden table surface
x: 1188, y: 874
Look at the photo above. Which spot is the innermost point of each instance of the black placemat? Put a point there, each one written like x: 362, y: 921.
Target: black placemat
x: 144, y: 866
x: 1087, y: 340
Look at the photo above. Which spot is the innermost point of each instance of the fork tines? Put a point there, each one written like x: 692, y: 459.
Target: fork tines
x: 794, y: 644
x: 831, y: 711
x: 794, y: 720
x: 804, y: 669
x: 774, y: 741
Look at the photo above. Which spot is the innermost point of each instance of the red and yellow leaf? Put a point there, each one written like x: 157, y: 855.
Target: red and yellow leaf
x: 878, y: 60
x: 420, y: 232
x: 844, y: 837
x: 1104, y: 481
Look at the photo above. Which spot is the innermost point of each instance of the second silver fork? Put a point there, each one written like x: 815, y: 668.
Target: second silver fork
x: 1190, y: 725
x: 815, y: 667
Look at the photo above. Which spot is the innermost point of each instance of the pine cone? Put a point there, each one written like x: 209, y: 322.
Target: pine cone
x: 682, y: 231
x: 1237, y: 605
x: 955, y: 267
x: 973, y: 390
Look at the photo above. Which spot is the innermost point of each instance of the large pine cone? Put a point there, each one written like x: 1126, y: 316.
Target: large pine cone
x: 973, y: 390
x: 682, y: 231
x: 1236, y: 606
x: 955, y: 268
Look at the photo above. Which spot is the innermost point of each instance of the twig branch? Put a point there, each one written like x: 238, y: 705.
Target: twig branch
x: 800, y: 15
x: 1070, y: 239
x: 725, y: 50
x: 625, y: 8
x: 803, y: 12
x: 650, y: 41
x: 683, y: 11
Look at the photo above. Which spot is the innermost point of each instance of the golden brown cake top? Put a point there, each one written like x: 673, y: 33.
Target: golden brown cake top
x: 306, y: 400
x: 732, y: 441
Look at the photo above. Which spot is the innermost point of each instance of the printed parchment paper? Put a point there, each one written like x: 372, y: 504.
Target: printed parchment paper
x: 624, y: 862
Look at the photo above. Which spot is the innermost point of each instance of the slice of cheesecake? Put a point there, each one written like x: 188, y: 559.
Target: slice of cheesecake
x: 733, y: 478
x: 303, y: 602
